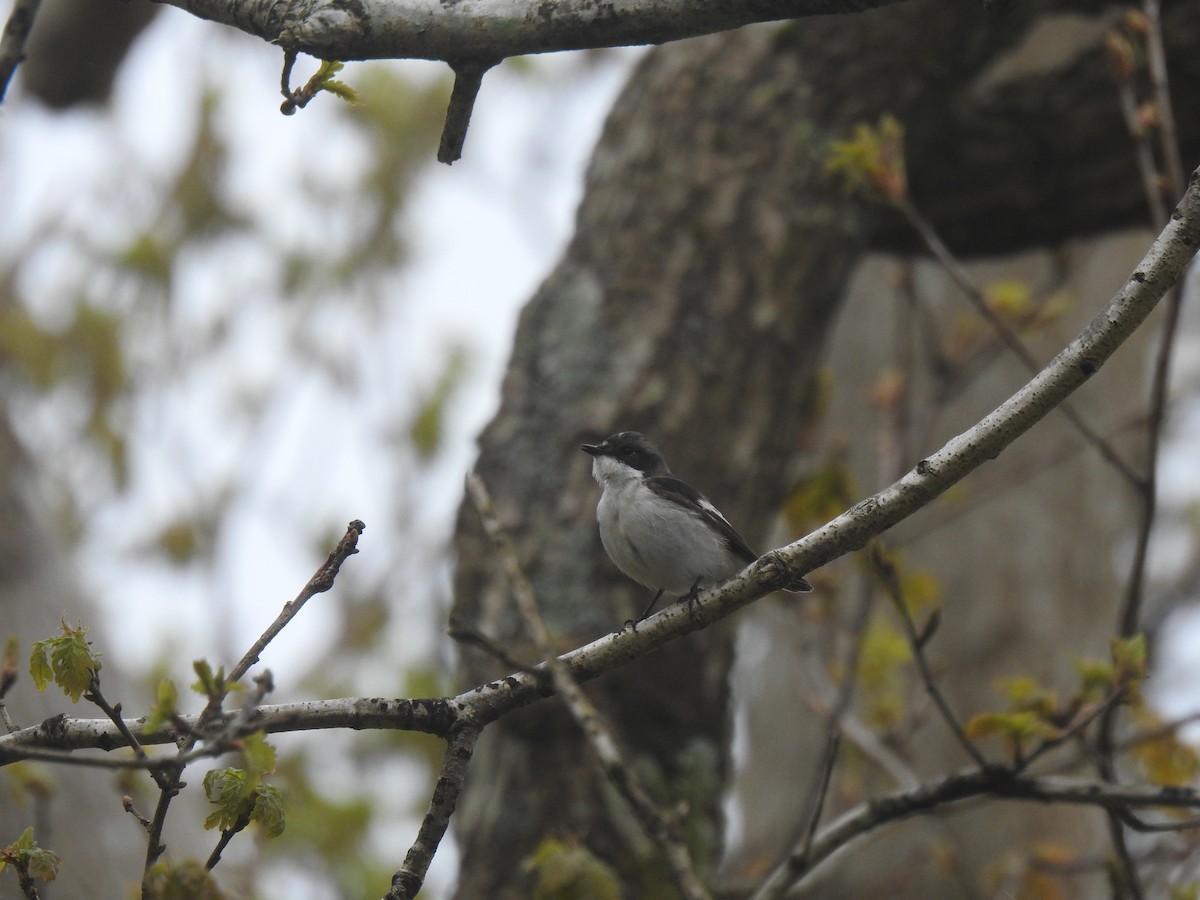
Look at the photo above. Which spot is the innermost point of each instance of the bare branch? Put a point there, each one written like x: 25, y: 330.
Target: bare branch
x: 1159, y: 270
x: 320, y: 582
x: 886, y: 572
x: 408, y: 880
x: 491, y: 29
x: 995, y: 782
x: 1010, y: 338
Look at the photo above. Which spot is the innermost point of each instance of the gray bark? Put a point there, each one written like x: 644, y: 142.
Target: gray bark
x: 712, y: 252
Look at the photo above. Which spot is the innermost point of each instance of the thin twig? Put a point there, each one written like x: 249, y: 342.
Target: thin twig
x: 885, y: 570
x: 868, y: 742
x: 1131, y: 609
x: 1143, y: 152
x: 1159, y: 731
x: 127, y: 804
x: 1076, y: 728
x: 658, y: 827
x: 320, y: 582
x: 1156, y: 64
x: 227, y: 835
x: 114, y: 714
x: 1010, y: 338
x: 465, y: 634
x: 814, y: 803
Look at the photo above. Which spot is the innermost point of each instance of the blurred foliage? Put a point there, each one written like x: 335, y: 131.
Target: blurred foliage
x: 150, y: 298
x: 1037, y: 716
x: 872, y: 162
x: 820, y: 495
x: 883, y: 673
x: 567, y: 871
x: 186, y: 880
x: 1161, y: 754
x: 427, y: 427
x: 328, y: 829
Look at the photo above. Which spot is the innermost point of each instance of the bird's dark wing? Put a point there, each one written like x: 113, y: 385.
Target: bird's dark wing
x: 671, y: 488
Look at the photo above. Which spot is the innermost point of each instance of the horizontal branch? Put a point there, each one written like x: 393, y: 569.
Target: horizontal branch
x: 990, y: 782
x: 491, y: 29
x: 431, y: 716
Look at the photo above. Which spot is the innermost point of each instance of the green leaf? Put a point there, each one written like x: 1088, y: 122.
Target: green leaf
x: 39, y: 666
x: 268, y: 810
x: 210, y: 684
x: 1026, y: 695
x: 258, y: 755
x: 342, y: 90
x: 232, y: 792
x: 1129, y: 657
x: 66, y: 660
x: 241, y: 798
x: 26, y: 856
x: 1016, y: 726
x: 325, y: 81
x: 166, y: 705
x: 1096, y: 678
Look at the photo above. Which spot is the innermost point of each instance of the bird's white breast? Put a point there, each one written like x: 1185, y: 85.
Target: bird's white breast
x: 654, y: 541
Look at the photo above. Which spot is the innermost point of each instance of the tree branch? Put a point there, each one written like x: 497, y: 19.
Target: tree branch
x: 408, y: 880
x: 461, y: 718
x: 321, y: 581
x: 1159, y: 270
x: 994, y: 782
x: 491, y: 29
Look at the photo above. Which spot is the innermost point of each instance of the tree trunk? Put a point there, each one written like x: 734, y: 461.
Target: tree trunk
x: 713, y: 249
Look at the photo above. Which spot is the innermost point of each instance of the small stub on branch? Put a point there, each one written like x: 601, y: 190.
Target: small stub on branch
x: 468, y: 75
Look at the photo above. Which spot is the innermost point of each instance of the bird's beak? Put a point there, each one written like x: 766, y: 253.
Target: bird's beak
x: 592, y: 449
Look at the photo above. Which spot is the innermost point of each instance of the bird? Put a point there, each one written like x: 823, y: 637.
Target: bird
x: 660, y: 531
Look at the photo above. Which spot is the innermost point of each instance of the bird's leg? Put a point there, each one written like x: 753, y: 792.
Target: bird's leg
x: 651, y: 606
x: 694, y: 594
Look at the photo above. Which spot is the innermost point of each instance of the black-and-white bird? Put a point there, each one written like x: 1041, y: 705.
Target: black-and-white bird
x: 660, y: 531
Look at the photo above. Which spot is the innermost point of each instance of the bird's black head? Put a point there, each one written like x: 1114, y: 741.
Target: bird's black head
x: 634, y: 450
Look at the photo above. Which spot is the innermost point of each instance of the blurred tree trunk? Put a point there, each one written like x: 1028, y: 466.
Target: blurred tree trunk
x: 77, y: 47
x: 74, y: 811
x: 712, y: 253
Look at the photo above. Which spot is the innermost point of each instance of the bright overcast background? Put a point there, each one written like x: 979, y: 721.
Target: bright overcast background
x: 480, y: 237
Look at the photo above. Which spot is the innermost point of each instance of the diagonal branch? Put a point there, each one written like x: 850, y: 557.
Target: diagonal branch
x: 1160, y: 269
x: 321, y: 581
